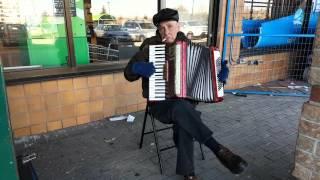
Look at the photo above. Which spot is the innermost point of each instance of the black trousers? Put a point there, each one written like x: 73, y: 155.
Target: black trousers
x: 187, y: 127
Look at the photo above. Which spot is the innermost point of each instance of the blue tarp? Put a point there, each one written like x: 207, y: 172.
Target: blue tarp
x: 275, y: 32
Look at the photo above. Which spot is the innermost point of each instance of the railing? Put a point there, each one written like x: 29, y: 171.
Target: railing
x: 99, y: 53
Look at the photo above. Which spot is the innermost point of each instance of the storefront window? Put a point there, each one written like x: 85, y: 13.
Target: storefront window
x: 193, y: 18
x: 32, y: 33
x: 118, y: 27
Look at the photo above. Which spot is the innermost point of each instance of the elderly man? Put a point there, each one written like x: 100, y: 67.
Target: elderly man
x: 188, y: 125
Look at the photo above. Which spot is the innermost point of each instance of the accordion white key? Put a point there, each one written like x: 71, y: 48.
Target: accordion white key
x: 185, y: 70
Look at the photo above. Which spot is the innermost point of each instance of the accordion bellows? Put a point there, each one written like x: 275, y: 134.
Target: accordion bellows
x: 185, y: 70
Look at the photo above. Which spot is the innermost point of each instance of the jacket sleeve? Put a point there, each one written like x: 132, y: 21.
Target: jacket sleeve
x: 140, y: 56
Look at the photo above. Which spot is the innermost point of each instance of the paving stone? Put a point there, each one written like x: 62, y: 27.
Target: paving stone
x: 262, y: 129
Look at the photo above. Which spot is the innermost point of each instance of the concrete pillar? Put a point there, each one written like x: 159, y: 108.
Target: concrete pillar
x: 307, y: 156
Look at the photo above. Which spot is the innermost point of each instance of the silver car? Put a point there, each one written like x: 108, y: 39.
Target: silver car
x: 140, y: 30
x: 195, y: 28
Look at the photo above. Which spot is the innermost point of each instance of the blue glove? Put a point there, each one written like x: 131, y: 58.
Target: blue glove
x: 145, y: 69
x: 224, y: 72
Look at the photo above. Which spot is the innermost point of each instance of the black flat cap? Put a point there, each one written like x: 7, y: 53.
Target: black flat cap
x: 165, y: 15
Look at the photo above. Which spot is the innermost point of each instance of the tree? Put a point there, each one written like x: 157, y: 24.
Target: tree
x: 103, y: 10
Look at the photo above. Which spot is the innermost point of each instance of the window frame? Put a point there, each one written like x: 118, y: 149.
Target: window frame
x: 73, y: 70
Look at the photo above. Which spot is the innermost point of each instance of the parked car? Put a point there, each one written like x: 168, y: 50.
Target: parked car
x: 13, y: 34
x: 194, y: 28
x: 100, y: 29
x: 139, y: 30
x: 113, y: 34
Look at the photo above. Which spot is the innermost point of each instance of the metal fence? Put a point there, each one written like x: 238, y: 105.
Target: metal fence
x: 99, y: 53
x: 269, y: 40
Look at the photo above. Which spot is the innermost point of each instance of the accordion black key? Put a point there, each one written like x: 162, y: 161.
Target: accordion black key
x: 185, y: 70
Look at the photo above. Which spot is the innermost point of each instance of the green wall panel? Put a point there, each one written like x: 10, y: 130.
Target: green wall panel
x: 8, y: 165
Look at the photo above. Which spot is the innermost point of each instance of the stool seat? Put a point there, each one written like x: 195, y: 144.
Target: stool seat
x: 155, y: 131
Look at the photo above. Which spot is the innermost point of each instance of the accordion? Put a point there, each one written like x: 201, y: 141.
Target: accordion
x: 185, y: 70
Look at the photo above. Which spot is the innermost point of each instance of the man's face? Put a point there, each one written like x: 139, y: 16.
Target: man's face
x: 168, y: 31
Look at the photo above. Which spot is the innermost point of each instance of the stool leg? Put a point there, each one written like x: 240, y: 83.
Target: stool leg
x: 202, y: 154
x: 156, y: 142
x: 143, y: 127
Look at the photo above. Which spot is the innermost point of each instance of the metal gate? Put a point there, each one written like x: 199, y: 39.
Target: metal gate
x: 268, y: 44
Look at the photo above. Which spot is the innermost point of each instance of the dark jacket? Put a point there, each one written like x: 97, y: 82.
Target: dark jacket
x: 143, y: 55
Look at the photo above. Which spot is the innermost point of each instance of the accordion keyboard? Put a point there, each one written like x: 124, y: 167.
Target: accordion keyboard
x: 157, y: 85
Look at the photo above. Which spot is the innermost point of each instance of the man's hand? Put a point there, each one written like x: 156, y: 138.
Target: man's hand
x: 224, y: 72
x: 145, y: 69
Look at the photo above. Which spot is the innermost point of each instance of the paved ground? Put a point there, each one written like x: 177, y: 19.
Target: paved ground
x: 262, y: 129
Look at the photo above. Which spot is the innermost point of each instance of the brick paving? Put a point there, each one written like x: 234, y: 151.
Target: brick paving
x: 262, y: 129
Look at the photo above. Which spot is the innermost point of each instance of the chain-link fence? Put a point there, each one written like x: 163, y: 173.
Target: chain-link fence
x: 270, y: 40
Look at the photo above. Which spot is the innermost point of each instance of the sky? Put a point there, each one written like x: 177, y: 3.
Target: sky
x: 132, y: 8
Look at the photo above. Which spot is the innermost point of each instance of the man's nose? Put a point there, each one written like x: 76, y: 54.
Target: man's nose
x: 166, y: 31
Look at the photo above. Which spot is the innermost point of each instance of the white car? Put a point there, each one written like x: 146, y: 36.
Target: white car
x: 195, y: 28
x: 140, y: 30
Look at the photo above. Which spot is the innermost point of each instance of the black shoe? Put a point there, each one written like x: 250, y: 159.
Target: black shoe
x: 231, y: 161
x: 190, y: 178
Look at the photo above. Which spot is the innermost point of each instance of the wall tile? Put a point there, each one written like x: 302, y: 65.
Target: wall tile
x: 108, y: 107
x: 314, y: 76
x: 119, y: 78
x: 18, y: 105
x: 96, y: 116
x: 315, y: 176
x: 32, y: 89
x: 66, y: 98
x: 51, y: 100
x: 54, y: 125
x: 309, y: 129
x: 54, y: 114
x: 83, y: 108
x: 108, y: 90
x: 38, y: 117
x: 65, y: 84
x: 120, y: 89
x: 35, y: 103
x: 311, y: 112
x: 120, y: 110
x: 304, y: 159
x: 120, y: 101
x: 39, y: 128
x: 132, y: 99
x: 49, y: 87
x: 94, y: 81
x: 83, y: 119
x: 68, y: 122
x: 107, y: 79
x: 132, y: 108
x: 16, y: 91
x: 301, y: 172
x: 142, y: 106
x: 96, y: 93
x: 96, y: 106
x: 80, y: 83
x: 132, y: 88
x: 68, y: 111
x: 81, y: 95
x: 21, y: 132
x: 19, y: 120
